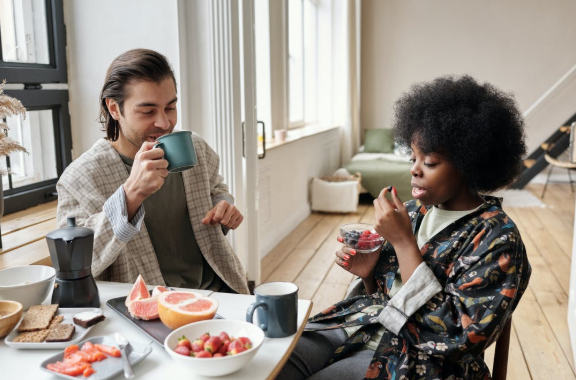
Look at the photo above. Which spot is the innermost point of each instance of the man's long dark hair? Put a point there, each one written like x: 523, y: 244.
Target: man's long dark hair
x: 136, y: 64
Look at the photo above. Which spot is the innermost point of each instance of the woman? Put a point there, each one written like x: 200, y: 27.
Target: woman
x: 453, y: 267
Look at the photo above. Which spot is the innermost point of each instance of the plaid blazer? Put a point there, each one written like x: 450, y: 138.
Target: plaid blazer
x: 91, y: 179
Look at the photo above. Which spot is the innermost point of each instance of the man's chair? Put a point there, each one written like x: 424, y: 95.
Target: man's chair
x: 565, y: 160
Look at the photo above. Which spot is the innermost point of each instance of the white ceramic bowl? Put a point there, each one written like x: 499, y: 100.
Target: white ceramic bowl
x: 29, y: 284
x: 215, y: 366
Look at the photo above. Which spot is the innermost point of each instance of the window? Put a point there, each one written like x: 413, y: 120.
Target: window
x: 33, y: 41
x: 32, y: 54
x: 302, y: 62
x: 24, y: 32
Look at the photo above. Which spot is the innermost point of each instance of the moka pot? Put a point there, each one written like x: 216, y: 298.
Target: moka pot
x: 71, y: 253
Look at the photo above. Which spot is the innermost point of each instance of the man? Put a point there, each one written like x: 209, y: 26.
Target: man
x: 168, y: 227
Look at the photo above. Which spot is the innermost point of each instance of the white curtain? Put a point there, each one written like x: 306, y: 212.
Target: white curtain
x: 350, y: 75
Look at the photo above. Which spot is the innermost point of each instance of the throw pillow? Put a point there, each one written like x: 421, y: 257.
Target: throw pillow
x: 379, y: 141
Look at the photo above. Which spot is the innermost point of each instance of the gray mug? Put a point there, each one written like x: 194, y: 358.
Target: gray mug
x: 178, y: 150
x: 276, y: 307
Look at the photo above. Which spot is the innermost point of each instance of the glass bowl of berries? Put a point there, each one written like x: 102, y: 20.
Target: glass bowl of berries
x: 361, y: 237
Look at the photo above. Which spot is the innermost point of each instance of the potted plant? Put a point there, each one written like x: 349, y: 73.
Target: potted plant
x: 8, y: 107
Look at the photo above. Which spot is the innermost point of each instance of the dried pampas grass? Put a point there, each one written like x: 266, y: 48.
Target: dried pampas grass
x: 9, y: 107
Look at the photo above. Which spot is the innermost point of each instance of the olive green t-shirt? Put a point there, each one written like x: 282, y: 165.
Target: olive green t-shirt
x: 166, y: 218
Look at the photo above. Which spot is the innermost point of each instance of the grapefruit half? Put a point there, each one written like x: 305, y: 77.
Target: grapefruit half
x: 146, y: 308
x: 159, y: 289
x: 178, y: 308
x: 139, y: 291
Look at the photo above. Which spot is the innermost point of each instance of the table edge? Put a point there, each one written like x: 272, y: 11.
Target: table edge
x: 291, y: 348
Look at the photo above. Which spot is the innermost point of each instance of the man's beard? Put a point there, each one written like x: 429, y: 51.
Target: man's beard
x: 137, y: 141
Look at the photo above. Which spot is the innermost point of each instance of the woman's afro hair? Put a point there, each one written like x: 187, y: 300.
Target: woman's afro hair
x: 478, y: 127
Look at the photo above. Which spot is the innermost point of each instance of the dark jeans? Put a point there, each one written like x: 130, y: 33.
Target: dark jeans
x: 313, y: 351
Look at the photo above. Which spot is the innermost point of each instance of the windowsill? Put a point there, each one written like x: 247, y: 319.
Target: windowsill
x: 299, y: 133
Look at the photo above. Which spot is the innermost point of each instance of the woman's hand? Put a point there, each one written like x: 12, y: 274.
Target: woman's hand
x: 392, y: 221
x: 359, y: 264
x: 394, y: 225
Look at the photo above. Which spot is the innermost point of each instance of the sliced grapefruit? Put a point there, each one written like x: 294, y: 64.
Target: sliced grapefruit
x: 146, y: 308
x: 177, y: 297
x: 139, y: 291
x: 177, y: 308
x: 159, y: 289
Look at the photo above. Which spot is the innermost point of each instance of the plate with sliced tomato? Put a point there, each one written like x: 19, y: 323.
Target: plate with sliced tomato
x: 97, y: 358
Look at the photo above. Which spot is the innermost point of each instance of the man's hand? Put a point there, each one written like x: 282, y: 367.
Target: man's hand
x: 146, y: 177
x: 224, y: 213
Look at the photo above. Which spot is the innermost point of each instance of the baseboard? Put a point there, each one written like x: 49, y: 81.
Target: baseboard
x: 273, y: 236
x: 558, y: 175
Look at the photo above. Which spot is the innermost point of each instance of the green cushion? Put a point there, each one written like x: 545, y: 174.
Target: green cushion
x: 379, y: 141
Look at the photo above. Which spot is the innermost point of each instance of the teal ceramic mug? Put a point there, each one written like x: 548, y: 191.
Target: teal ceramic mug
x: 178, y: 150
x: 276, y: 307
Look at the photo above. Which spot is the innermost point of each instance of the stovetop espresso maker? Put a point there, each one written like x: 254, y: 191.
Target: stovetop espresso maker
x: 71, y: 253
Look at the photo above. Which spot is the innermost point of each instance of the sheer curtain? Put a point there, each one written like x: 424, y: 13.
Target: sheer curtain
x: 350, y: 75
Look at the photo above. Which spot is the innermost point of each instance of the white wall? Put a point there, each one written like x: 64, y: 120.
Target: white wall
x: 99, y: 31
x: 521, y: 46
x: 284, y: 177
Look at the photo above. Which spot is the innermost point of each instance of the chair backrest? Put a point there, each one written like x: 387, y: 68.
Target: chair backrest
x: 502, y: 353
x: 572, y: 144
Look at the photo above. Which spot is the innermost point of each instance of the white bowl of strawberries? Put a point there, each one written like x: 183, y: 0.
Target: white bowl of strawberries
x: 214, y: 347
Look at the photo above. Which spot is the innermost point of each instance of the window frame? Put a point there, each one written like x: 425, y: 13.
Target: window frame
x: 32, y: 76
x: 303, y: 122
x: 44, y: 191
x: 35, y: 73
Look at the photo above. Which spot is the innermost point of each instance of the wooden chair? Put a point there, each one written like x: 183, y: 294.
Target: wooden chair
x: 502, y: 353
x: 565, y: 160
x: 501, y: 358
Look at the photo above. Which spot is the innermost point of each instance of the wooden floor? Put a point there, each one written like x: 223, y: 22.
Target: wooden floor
x: 540, y: 346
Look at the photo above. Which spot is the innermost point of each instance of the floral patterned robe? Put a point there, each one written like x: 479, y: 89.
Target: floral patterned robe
x: 481, y: 263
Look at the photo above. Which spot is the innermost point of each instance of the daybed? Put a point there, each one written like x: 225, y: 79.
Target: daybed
x: 382, y: 165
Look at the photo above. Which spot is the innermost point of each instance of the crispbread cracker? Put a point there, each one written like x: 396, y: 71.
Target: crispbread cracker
x: 38, y: 335
x: 61, y: 332
x: 38, y: 318
x: 56, y: 320
x: 32, y: 336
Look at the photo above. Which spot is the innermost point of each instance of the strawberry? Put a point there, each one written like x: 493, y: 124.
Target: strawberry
x: 217, y: 355
x: 245, y: 341
x: 236, y: 347
x: 183, y: 350
x: 213, y: 344
x: 224, y: 348
x: 223, y: 336
x: 202, y: 354
x: 205, y: 336
x: 184, y: 342
x: 197, y: 345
